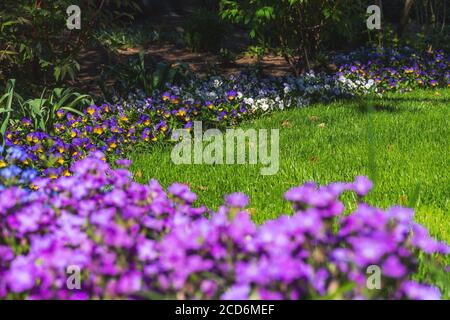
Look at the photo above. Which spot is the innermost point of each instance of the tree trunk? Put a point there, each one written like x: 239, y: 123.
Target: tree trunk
x: 405, y: 16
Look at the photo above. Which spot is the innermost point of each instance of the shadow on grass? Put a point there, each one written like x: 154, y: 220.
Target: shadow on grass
x: 395, y: 105
x: 427, y: 100
x: 376, y: 107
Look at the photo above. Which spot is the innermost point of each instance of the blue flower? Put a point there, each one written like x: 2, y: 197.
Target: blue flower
x: 17, y: 153
x: 10, y: 172
x: 28, y: 175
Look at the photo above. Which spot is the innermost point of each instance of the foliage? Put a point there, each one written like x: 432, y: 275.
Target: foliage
x: 204, y: 31
x: 37, y: 113
x: 35, y: 42
x: 43, y: 111
x: 137, y: 35
x: 294, y: 26
x: 140, y: 73
x: 6, y: 103
x: 349, y: 29
x: 255, y: 51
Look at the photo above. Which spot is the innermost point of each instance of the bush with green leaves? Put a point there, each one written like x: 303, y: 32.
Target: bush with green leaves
x: 293, y: 27
x: 138, y: 72
x: 204, y: 31
x: 40, y: 113
x: 35, y: 42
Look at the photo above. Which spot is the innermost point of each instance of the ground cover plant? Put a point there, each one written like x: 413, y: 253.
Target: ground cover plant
x: 136, y: 240
x: 114, y: 128
x: 401, y: 69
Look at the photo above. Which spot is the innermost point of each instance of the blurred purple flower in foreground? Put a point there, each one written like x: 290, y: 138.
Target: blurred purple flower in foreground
x: 130, y: 239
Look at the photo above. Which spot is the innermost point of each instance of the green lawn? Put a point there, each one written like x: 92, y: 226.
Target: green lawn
x: 402, y: 143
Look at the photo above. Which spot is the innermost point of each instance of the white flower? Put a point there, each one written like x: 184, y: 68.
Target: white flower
x: 249, y: 101
x: 212, y: 95
x: 370, y: 84
x: 217, y: 83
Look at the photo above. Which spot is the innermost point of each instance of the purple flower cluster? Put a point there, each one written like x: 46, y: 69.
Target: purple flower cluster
x: 401, y: 69
x: 98, y: 220
x: 130, y: 240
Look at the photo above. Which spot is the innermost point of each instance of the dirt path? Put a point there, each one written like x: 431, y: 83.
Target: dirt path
x: 94, y: 59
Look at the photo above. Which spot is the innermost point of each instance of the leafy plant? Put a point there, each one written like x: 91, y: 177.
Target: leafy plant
x: 6, y: 102
x: 295, y: 27
x: 148, y: 76
x: 204, y: 31
x: 133, y: 36
x: 255, y: 51
x: 226, y: 57
x: 34, y: 40
x: 43, y: 111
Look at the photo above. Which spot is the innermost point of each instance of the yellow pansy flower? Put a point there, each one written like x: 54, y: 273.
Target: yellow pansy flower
x: 91, y: 110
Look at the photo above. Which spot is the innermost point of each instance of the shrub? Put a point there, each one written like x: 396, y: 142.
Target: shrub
x: 34, y: 40
x: 204, y: 31
x: 147, y: 75
x: 294, y: 26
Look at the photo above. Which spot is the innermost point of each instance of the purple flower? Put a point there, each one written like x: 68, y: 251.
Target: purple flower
x: 392, y: 267
x: 368, y: 250
x: 129, y: 283
x: 129, y: 238
x: 362, y: 186
x: 238, y: 292
x: 236, y: 200
x: 21, y: 276
x: 182, y: 191
x: 125, y: 163
x: 417, y: 291
x: 231, y: 95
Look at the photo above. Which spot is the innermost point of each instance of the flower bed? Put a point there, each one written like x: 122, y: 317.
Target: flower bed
x: 116, y: 128
x: 395, y: 70
x: 131, y: 240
